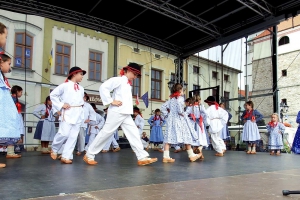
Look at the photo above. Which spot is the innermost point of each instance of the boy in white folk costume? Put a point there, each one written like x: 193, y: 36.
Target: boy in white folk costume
x: 95, y: 126
x: 119, y: 114
x: 216, y: 118
x: 89, y: 115
x: 68, y: 97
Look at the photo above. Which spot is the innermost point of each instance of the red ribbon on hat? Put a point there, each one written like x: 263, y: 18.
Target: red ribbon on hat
x: 76, y: 87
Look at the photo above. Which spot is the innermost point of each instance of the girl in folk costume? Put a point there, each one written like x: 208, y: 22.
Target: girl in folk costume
x: 119, y: 114
x: 250, y: 131
x: 216, y: 119
x: 197, y: 115
x: 95, y: 126
x: 9, y: 116
x: 89, y: 115
x: 16, y: 93
x: 225, y: 132
x: 296, y: 141
x: 188, y: 102
x: 156, y: 135
x: 179, y: 129
x: 275, y: 129
x: 45, y: 129
x: 140, y: 123
x: 68, y: 97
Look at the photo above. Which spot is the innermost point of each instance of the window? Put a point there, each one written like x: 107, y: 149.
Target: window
x: 62, y: 59
x: 214, y: 93
x: 226, y: 96
x: 196, y: 69
x: 173, y: 77
x: 226, y: 77
x: 156, y: 84
x: 23, y: 50
x: 284, y: 72
x: 136, y: 86
x: 196, y: 87
x: 95, y: 66
x: 284, y: 40
x: 214, y: 74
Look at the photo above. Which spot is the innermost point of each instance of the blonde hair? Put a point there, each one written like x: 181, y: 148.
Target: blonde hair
x: 196, y: 98
x: 276, y: 114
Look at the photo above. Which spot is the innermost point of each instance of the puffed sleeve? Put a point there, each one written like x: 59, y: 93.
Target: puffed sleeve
x: 39, y: 111
x: 55, y: 97
x: 107, y: 87
x: 150, y: 120
x: 298, y: 118
x: 281, y: 128
x: 164, y: 109
x: 258, y: 115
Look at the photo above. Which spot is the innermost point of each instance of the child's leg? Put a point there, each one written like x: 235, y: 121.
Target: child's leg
x: 166, y: 156
x: 193, y: 157
x: 253, y: 151
x: 249, y: 148
x: 278, y: 152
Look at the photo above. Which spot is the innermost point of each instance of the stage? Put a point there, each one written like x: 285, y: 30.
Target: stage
x: 117, y: 176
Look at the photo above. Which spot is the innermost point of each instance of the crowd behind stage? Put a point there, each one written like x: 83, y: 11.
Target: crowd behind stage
x: 189, y: 125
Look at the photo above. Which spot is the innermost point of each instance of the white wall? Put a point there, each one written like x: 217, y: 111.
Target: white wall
x: 83, y: 46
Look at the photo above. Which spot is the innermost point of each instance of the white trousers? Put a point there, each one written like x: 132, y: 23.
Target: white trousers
x: 81, y: 139
x: 217, y: 142
x: 113, y: 121
x: 67, y: 133
x: 91, y: 139
x: 111, y: 141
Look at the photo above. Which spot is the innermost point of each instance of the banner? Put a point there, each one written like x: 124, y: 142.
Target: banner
x: 145, y: 99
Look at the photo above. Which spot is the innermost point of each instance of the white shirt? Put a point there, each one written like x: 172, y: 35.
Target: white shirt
x: 216, y: 119
x: 121, y: 92
x: 99, y: 122
x: 89, y: 113
x: 139, y: 121
x: 65, y: 93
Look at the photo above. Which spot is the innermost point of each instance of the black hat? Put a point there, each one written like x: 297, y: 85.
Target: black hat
x: 210, y: 99
x: 136, y: 109
x: 75, y: 70
x: 134, y: 68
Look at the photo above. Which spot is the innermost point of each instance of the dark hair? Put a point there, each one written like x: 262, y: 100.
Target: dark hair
x: 190, y: 101
x: 176, y: 87
x: 4, y: 58
x: 157, y: 110
x: 16, y: 89
x: 2, y: 28
x: 86, y: 96
x: 250, y: 103
x: 93, y: 105
x: 47, y: 99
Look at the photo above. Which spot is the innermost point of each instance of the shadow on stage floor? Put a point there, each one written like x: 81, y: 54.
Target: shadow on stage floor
x: 117, y: 176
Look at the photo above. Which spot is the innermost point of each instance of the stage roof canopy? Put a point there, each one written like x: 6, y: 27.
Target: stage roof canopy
x: 178, y: 27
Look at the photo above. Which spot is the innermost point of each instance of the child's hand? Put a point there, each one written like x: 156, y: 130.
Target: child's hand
x: 66, y: 106
x: 116, y: 103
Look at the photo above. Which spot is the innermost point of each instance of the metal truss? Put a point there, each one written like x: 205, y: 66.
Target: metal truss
x: 179, y: 70
x: 60, y: 14
x: 259, y: 6
x: 180, y: 15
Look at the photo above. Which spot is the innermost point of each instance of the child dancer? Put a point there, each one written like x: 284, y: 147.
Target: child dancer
x: 89, y: 115
x: 156, y: 135
x: 250, y: 131
x: 95, y: 126
x: 225, y: 132
x: 120, y: 111
x: 197, y: 114
x: 216, y: 119
x: 275, y: 129
x: 146, y: 139
x: 140, y: 123
x: 68, y: 96
x: 9, y: 117
x: 45, y: 129
x: 179, y: 128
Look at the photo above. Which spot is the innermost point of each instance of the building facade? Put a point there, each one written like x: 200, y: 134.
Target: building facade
x: 287, y: 61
